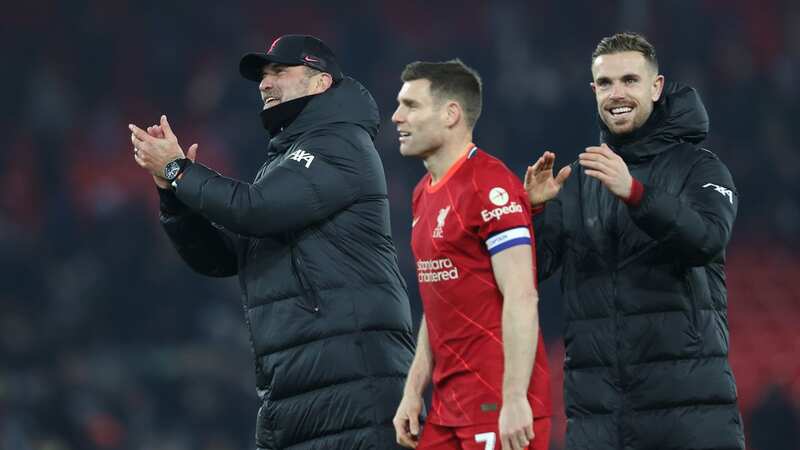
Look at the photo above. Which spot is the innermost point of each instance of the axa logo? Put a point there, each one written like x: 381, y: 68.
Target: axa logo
x: 725, y: 192
x: 301, y: 156
x: 438, y: 232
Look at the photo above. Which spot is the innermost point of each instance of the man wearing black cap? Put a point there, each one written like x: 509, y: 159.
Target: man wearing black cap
x: 310, y: 240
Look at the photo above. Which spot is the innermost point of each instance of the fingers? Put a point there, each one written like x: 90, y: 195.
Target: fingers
x: 599, y: 165
x: 545, y: 162
x: 605, y: 179
x: 139, y: 133
x: 192, y: 152
x: 399, y: 427
x: 137, y: 143
x: 530, y: 176
x: 507, y: 443
x: 403, y: 433
x: 521, y: 440
x: 562, y: 175
x: 408, y: 443
x: 405, y: 439
x: 515, y: 441
x: 413, y: 425
x: 167, y: 129
x: 142, y: 159
x: 596, y: 159
x: 138, y: 159
x: 155, y: 131
x: 529, y: 433
x: 603, y: 150
x: 549, y: 159
x: 593, y: 155
x: 537, y: 166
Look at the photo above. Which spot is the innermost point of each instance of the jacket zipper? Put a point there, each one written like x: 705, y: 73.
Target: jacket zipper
x: 692, y: 299
x: 618, y: 326
x: 265, y: 433
x: 309, y: 301
x: 620, y: 368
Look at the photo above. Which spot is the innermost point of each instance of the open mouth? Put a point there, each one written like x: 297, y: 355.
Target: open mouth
x: 270, y: 102
x: 404, y: 135
x: 620, y: 111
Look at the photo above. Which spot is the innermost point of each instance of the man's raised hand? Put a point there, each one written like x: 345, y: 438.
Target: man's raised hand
x: 540, y: 184
x: 608, y: 167
x: 154, y: 152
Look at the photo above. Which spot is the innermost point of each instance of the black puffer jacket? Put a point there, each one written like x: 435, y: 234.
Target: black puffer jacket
x: 644, y: 294
x: 325, y: 304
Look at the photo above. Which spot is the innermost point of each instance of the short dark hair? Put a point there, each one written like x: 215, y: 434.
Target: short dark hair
x: 627, y: 42
x: 450, y: 80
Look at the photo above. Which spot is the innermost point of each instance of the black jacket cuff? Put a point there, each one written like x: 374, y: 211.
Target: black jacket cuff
x: 169, y: 202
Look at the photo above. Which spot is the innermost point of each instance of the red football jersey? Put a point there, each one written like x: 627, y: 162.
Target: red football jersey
x: 477, y: 209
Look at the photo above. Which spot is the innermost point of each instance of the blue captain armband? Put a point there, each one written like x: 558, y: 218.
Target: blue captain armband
x: 507, y: 239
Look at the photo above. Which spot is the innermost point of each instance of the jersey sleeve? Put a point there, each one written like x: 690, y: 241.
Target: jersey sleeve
x: 498, y: 209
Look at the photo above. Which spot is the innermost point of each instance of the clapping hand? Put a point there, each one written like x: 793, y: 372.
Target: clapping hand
x: 157, y: 146
x: 608, y: 167
x: 540, y: 184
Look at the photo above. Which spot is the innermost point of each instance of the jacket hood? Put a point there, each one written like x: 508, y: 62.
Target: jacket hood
x: 678, y: 116
x: 346, y: 102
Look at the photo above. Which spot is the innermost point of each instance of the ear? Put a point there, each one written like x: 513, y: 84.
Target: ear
x: 658, y: 87
x: 323, y: 83
x: 594, y: 86
x: 453, y: 113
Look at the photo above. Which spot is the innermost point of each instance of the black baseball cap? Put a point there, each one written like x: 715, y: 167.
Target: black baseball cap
x: 292, y: 50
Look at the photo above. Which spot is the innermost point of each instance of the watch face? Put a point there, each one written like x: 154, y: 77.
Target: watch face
x: 171, y: 170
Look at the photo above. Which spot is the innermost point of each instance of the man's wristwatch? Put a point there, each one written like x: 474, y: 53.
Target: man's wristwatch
x: 175, y: 168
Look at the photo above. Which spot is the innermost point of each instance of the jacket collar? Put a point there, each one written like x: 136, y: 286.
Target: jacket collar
x: 678, y: 116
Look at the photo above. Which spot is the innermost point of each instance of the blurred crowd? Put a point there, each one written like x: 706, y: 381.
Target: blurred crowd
x: 108, y: 341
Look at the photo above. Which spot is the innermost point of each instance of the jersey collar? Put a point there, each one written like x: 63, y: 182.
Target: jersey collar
x: 468, y: 153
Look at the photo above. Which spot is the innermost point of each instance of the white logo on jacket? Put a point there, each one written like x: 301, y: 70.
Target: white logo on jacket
x: 724, y: 191
x: 438, y: 232
x: 300, y: 156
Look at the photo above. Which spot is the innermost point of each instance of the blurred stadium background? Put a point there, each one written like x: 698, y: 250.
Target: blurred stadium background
x: 108, y: 341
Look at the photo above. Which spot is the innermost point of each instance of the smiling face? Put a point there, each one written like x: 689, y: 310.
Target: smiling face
x: 420, y: 119
x: 281, y: 83
x: 625, y: 86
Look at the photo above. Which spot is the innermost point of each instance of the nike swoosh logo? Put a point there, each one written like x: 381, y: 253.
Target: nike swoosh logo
x: 311, y: 59
x: 414, y: 222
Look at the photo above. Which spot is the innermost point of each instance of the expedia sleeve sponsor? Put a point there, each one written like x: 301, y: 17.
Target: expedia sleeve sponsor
x: 436, y: 270
x: 497, y: 213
